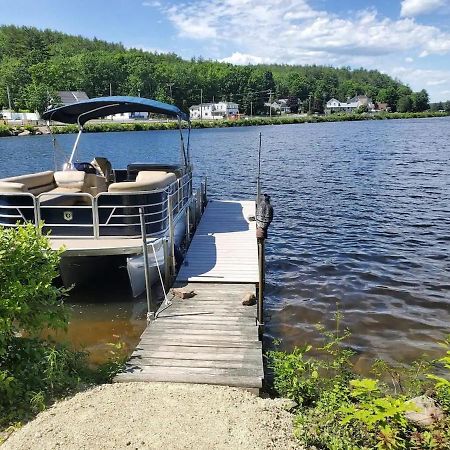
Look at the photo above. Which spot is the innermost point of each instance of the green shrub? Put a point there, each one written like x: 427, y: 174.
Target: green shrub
x: 34, y: 372
x: 338, y: 410
x: 4, y: 130
x: 29, y: 299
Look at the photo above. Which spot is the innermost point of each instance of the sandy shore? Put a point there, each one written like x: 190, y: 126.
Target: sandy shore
x: 159, y: 416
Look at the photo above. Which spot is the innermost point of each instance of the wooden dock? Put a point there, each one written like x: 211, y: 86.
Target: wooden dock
x: 210, y: 338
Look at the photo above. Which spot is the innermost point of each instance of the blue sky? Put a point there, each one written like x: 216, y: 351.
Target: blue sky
x: 408, y: 39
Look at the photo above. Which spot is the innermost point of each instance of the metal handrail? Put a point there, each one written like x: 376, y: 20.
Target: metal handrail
x: 175, y: 191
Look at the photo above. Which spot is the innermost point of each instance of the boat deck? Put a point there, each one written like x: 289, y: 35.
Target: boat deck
x: 210, y: 338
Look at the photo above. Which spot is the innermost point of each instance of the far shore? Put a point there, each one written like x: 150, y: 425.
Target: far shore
x: 109, y: 126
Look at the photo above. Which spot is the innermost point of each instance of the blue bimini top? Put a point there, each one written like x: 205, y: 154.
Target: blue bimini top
x: 95, y: 108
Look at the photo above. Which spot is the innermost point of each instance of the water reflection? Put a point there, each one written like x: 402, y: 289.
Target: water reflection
x: 362, y: 218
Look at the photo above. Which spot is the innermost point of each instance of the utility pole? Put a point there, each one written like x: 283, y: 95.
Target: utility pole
x: 251, y: 109
x: 201, y: 104
x: 110, y: 89
x: 309, y: 109
x: 9, y: 98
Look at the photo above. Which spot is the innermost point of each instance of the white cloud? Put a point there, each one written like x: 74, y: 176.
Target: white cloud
x: 154, y: 4
x: 292, y: 31
x: 412, y: 8
x: 295, y: 32
x: 432, y: 80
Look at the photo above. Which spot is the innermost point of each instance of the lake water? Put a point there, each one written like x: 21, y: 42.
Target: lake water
x: 362, y: 218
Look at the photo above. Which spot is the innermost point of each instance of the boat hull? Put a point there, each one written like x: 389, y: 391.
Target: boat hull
x: 84, y: 267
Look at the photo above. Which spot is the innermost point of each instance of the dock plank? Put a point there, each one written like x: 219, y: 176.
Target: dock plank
x: 210, y: 338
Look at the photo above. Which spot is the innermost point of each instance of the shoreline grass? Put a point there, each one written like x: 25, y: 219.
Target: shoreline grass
x: 8, y: 130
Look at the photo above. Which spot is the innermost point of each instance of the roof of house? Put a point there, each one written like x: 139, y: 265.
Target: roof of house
x: 70, y: 97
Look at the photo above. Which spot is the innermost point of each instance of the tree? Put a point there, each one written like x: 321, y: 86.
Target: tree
x: 420, y: 101
x: 388, y: 95
x: 37, y: 97
x: 32, y: 61
x: 292, y: 103
x: 405, y: 104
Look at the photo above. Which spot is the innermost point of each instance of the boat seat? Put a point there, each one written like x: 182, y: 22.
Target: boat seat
x: 35, y: 183
x: 149, y: 175
x: 104, y: 168
x: 9, y: 187
x: 70, y: 179
x: 146, y: 182
x: 67, y: 182
x: 134, y: 168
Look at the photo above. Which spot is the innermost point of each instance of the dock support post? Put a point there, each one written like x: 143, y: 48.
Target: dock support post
x: 171, y: 235
x: 262, y: 281
x: 148, y: 286
x: 167, y: 275
x: 188, y: 225
x: 205, y: 194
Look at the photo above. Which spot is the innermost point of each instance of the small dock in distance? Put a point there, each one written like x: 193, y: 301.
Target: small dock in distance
x: 210, y: 338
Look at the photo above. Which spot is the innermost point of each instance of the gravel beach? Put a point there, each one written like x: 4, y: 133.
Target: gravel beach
x: 159, y: 416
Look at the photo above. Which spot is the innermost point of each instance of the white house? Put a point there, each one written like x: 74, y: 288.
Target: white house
x: 10, y: 115
x: 352, y: 104
x: 124, y: 117
x: 220, y: 110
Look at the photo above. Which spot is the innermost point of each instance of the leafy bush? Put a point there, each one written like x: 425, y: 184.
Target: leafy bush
x: 4, y: 130
x: 34, y: 372
x: 338, y: 410
x: 29, y: 299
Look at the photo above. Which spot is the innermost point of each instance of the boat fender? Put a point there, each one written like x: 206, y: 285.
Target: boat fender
x: 264, y: 216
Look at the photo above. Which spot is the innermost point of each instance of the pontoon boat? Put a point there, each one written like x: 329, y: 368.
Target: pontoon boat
x: 93, y: 209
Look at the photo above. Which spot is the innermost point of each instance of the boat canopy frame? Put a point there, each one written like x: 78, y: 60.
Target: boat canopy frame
x: 81, y: 112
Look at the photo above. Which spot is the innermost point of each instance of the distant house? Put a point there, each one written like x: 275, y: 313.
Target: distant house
x: 123, y: 117
x: 351, y: 105
x: 10, y: 115
x: 280, y: 105
x: 70, y: 97
x: 220, y: 110
x: 382, y: 107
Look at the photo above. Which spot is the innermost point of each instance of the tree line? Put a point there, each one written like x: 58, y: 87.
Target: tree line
x: 36, y: 64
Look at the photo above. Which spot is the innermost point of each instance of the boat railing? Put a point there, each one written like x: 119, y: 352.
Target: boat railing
x: 108, y: 214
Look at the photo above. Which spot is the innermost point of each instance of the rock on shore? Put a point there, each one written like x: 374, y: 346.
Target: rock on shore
x: 159, y: 416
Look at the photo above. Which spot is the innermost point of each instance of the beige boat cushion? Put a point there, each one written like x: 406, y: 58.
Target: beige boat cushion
x: 157, y: 181
x: 35, y: 182
x: 70, y: 179
x: 147, y: 175
x: 7, y: 187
